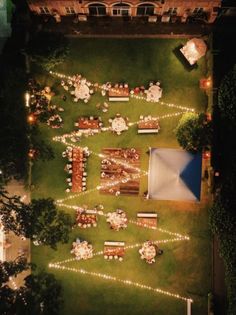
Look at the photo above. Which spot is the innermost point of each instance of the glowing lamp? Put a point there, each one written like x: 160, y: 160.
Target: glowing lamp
x: 31, y: 119
x: 31, y: 153
x: 208, y: 83
x: 27, y: 98
x: 207, y: 155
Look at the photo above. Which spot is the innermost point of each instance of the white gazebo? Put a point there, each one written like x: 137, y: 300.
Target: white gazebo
x: 193, y: 50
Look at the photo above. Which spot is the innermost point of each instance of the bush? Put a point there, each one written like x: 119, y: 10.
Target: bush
x: 194, y: 132
x: 227, y: 97
x: 223, y: 223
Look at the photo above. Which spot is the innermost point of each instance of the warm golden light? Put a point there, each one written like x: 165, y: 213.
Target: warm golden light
x: 31, y: 153
x: 31, y: 118
x: 27, y: 98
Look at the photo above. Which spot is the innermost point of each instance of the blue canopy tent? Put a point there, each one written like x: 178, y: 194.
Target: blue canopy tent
x: 174, y: 175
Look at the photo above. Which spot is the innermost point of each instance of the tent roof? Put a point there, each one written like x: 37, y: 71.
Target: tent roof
x: 174, y: 175
x: 199, y: 46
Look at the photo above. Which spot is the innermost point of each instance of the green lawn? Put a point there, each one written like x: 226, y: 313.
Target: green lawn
x: 184, y: 268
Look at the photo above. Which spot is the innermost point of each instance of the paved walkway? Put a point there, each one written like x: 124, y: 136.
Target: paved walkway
x: 113, y: 27
x: 18, y: 246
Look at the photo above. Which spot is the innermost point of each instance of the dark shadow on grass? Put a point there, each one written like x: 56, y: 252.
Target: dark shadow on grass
x: 183, y: 60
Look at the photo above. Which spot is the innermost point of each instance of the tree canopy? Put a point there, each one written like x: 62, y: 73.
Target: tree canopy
x: 194, y: 132
x: 48, y: 49
x: 41, y: 293
x: 14, y: 141
x: 8, y: 296
x: 227, y: 97
x: 39, y: 220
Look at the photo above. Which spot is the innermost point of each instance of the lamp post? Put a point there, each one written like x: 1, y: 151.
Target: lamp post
x: 27, y: 98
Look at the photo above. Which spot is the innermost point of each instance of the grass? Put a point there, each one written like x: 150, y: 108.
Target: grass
x: 184, y: 267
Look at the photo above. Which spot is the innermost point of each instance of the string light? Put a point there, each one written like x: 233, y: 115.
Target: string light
x: 104, y: 87
x: 185, y: 108
x: 60, y: 202
x: 100, y: 155
x: 104, y: 186
x: 123, y: 281
x: 159, y: 229
x: 13, y: 283
x: 101, y: 213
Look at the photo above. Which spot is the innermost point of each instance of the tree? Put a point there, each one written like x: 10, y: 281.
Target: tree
x: 194, y: 132
x: 14, y: 142
x: 8, y: 296
x: 48, y: 49
x: 39, y: 220
x: 12, y: 268
x: 227, y: 97
x: 42, y: 294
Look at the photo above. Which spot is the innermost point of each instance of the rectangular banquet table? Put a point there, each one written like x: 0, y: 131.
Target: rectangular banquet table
x: 114, y: 248
x: 118, y: 94
x: 150, y: 126
x: 147, y: 219
x: 77, y: 169
x: 87, y: 123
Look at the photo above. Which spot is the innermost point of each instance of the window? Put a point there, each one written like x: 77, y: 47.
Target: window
x: 97, y: 9
x: 121, y: 9
x: 44, y: 10
x: 172, y: 11
x: 145, y: 9
x: 198, y: 11
x: 70, y: 10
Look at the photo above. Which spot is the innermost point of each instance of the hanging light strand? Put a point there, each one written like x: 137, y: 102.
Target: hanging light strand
x: 123, y: 281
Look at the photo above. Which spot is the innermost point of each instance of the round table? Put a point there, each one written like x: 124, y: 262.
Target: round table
x: 148, y: 252
x: 118, y: 124
x: 117, y: 220
x: 82, y: 91
x: 154, y: 93
x: 82, y: 250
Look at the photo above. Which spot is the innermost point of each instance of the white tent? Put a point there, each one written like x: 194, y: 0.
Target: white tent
x: 194, y: 49
x: 174, y: 175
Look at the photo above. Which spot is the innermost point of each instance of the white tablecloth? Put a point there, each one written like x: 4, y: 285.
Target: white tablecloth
x: 154, y: 93
x: 82, y: 91
x: 118, y: 124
